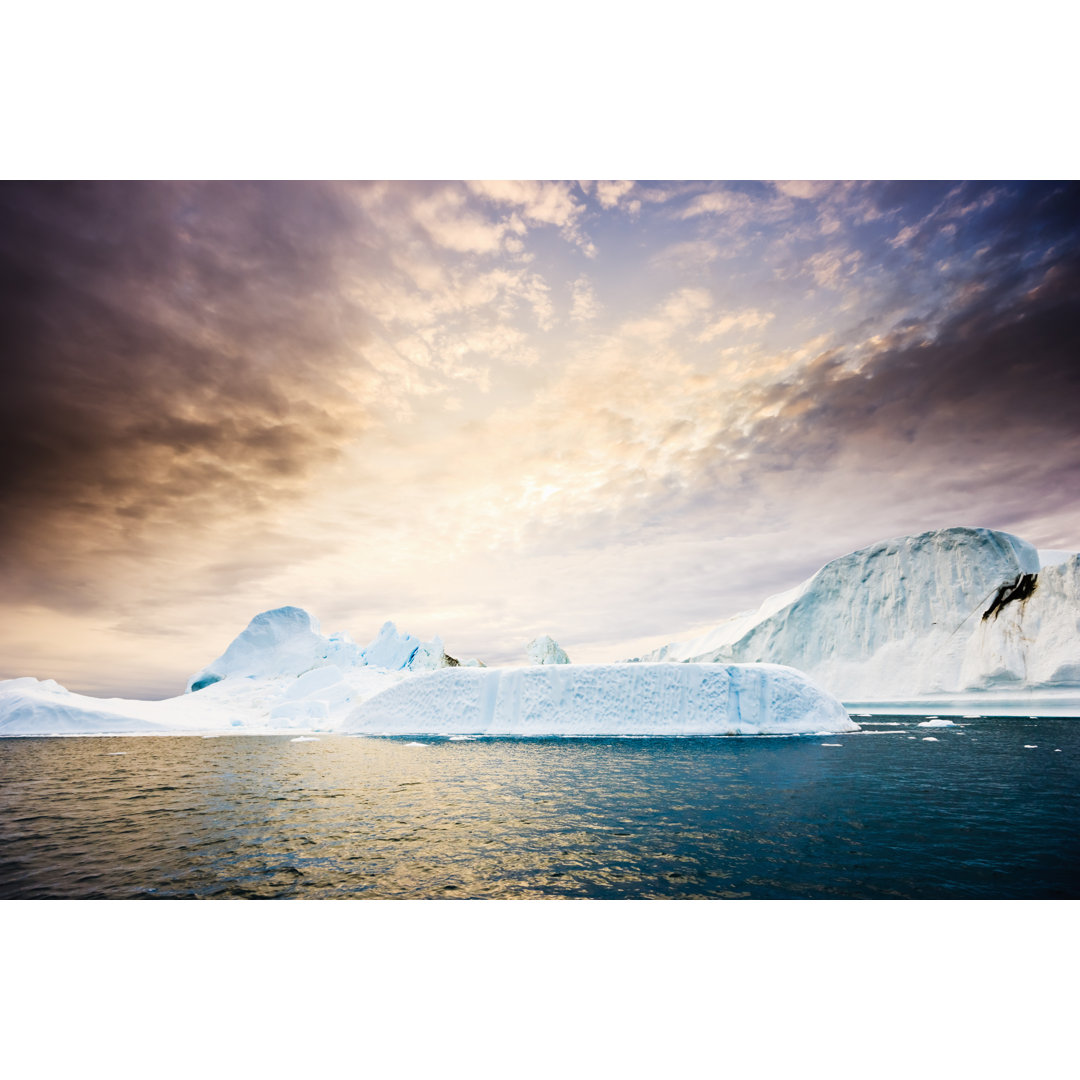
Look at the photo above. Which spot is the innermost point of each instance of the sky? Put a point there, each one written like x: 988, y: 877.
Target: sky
x: 614, y: 412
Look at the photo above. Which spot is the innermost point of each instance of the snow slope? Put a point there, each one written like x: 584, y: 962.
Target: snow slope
x: 604, y: 699
x: 941, y: 617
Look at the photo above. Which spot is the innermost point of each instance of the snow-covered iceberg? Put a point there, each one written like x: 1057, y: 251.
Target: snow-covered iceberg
x: 279, y: 673
x: 546, y: 650
x: 957, y: 618
x: 31, y: 706
x: 285, y: 641
x: 604, y: 699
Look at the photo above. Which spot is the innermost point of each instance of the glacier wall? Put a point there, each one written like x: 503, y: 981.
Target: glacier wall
x: 947, y: 613
x: 604, y: 699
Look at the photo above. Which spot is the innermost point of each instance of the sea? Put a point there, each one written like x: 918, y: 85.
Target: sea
x: 988, y: 808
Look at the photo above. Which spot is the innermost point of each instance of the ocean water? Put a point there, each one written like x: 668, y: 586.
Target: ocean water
x: 988, y: 809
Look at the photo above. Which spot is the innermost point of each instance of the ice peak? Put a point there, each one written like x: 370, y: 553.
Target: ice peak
x: 545, y: 650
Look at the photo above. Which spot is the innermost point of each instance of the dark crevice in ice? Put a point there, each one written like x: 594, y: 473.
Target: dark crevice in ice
x: 1020, y: 588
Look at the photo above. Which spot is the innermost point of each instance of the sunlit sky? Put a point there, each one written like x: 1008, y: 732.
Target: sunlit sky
x: 614, y: 412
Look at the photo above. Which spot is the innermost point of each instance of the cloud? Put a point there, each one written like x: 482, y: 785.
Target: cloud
x: 803, y: 189
x: 168, y: 349
x: 830, y: 269
x: 750, y: 319
x: 539, y: 202
x: 399, y: 400
x: 979, y: 414
x: 693, y: 255
x: 583, y: 302
x: 609, y: 192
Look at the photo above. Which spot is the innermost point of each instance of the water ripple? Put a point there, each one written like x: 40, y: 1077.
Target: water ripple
x: 604, y: 818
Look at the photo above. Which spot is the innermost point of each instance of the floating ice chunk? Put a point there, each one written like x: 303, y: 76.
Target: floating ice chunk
x: 415, y: 744
x: 1031, y: 746
x: 936, y: 721
x: 929, y: 738
x: 832, y: 744
x: 1057, y: 751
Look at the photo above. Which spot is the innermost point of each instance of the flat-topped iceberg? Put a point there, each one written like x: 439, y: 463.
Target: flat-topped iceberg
x: 604, y: 699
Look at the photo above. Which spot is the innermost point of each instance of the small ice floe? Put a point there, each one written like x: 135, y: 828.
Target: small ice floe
x: 415, y: 744
x: 832, y: 744
x: 1031, y: 746
x: 972, y: 716
x: 936, y: 721
x: 304, y: 738
x: 463, y: 738
x: 915, y: 737
x: 1057, y: 751
x: 863, y: 715
x: 1033, y: 718
x: 929, y: 738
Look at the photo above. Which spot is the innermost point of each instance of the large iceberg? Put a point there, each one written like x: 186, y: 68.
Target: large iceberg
x: 604, y: 699
x: 960, y: 617
x: 279, y: 673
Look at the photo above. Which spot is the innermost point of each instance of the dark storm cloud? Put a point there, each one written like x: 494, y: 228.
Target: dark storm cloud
x: 991, y: 393
x: 165, y: 346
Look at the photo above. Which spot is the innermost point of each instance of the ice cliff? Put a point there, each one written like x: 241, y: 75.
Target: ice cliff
x: 604, y: 699
x: 964, y: 615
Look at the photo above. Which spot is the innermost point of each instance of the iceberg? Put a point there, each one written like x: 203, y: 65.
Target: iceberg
x: 546, y: 650
x: 285, y: 641
x: 956, y: 619
x: 279, y: 673
x: 395, y: 651
x: 604, y: 699
x: 30, y: 706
